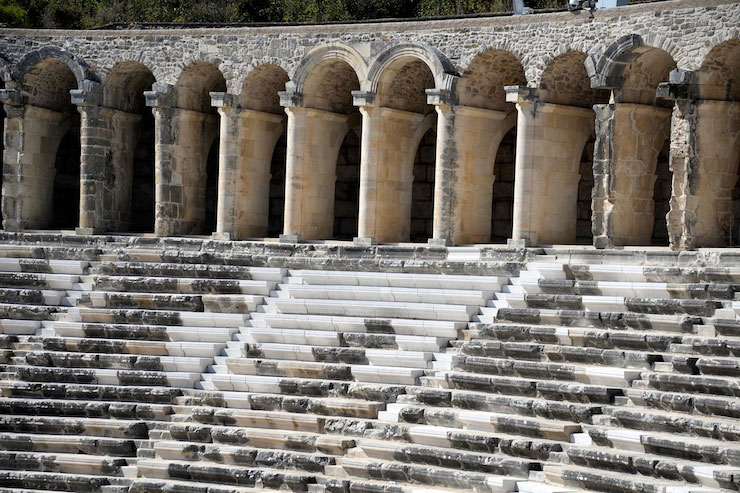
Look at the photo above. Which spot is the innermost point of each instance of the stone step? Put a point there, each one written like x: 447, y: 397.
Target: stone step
x: 262, y: 438
x: 424, y: 311
x: 38, y: 280
x: 89, y: 360
x: 428, y: 328
x: 707, y: 405
x: 674, y: 422
x: 153, y: 317
x: 68, y: 444
x: 73, y: 267
x: 690, y: 448
x: 123, y: 346
x: 322, y: 354
x: 153, y: 268
x: 46, y: 297
x: 94, y: 427
x: 52, y: 481
x: 182, y: 285
x: 325, y: 338
x: 671, y: 382
x: 547, y: 389
x: 148, y: 485
x: 714, y: 346
x: 60, y: 462
x: 461, y: 460
x: 658, y: 466
x: 251, y: 418
x: 209, y: 472
x: 57, y: 390
x: 143, y: 301
x: 640, y: 273
x: 19, y: 327
x: 102, y: 376
x: 85, y: 408
x: 389, y: 294
x: 428, y: 475
x: 483, y: 421
x: 218, y: 333
x: 626, y: 289
x: 241, y: 455
x: 398, y: 280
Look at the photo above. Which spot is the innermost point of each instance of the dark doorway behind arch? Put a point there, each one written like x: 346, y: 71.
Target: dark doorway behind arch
x: 735, y: 231
x: 422, y: 195
x: 662, y: 196
x: 142, y: 185
x: 347, y: 188
x: 2, y: 160
x: 66, y: 195
x: 276, y: 208
x: 502, y: 215
x: 584, y: 232
x: 211, y: 189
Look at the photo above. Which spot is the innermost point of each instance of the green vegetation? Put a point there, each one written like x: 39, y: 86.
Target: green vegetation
x: 79, y: 14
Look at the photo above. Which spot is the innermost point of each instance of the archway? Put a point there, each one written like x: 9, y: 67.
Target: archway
x: 347, y: 188
x: 198, y: 130
x: 133, y: 152
x: 489, y: 168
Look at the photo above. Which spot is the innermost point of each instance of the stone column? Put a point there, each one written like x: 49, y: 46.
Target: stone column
x: 248, y: 139
x: 629, y: 138
x: 467, y: 142
x: 550, y: 141
x: 704, y: 157
x: 390, y: 138
x: 167, y: 184
x: 32, y: 136
x: 313, y: 140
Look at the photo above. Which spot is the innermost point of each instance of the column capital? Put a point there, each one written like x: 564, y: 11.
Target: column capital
x: 90, y: 93
x: 11, y: 97
x: 161, y: 95
x: 522, y: 94
x: 224, y: 100
x: 290, y: 98
x: 363, y: 98
x: 440, y: 97
x: 681, y: 85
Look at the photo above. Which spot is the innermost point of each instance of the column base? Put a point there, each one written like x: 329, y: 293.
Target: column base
x: 84, y: 231
x: 291, y: 238
x: 363, y: 241
x: 438, y: 242
x: 221, y: 236
x: 519, y: 243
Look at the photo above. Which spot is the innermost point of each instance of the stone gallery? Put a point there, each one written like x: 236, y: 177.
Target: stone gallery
x: 491, y: 254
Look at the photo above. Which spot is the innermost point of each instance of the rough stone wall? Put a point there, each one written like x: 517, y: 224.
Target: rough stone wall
x: 686, y: 29
x: 422, y: 195
x: 503, y: 189
x: 347, y: 188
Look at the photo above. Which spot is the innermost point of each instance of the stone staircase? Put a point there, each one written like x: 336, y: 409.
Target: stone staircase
x: 146, y: 369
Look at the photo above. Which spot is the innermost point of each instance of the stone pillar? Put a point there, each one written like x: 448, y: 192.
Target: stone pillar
x: 313, y: 140
x: 390, y: 138
x: 248, y: 141
x: 32, y: 136
x: 550, y: 141
x: 629, y: 138
x: 704, y: 157
x: 183, y: 139
x: 167, y: 184
x: 467, y: 142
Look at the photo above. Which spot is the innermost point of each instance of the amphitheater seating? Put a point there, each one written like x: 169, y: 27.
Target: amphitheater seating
x: 147, y: 370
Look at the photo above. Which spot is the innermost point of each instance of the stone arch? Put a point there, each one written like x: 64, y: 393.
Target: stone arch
x: 322, y: 54
x: 443, y: 71
x: 195, y: 83
x: 719, y: 73
x: 125, y: 84
x: 77, y: 65
x: 329, y: 85
x: 261, y: 87
x: 403, y: 83
x: 482, y: 83
x: 566, y: 81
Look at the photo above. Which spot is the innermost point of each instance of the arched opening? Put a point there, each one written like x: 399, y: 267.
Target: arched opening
x: 565, y: 82
x: 716, y: 147
x: 261, y: 151
x: 198, y: 132
x: 405, y: 194
x: 133, y: 156
x: 50, y: 195
x: 482, y: 87
x: 2, y: 156
x: 322, y: 125
x: 662, y: 196
x: 347, y: 188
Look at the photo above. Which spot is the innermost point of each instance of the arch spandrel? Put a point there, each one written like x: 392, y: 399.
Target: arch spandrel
x: 482, y: 82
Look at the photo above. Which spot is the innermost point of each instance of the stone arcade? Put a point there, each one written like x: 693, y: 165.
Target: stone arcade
x: 320, y: 303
